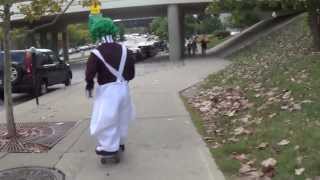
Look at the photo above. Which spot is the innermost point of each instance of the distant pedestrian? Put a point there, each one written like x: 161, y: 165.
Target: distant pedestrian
x: 204, y: 46
x: 194, y: 46
x: 189, y: 46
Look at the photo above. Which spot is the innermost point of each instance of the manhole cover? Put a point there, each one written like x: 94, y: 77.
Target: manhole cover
x: 31, y: 173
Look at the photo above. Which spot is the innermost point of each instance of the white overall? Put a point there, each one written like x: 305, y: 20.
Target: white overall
x: 112, y: 109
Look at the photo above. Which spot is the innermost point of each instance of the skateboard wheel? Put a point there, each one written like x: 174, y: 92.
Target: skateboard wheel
x: 122, y: 148
x: 103, y: 161
x: 116, y: 160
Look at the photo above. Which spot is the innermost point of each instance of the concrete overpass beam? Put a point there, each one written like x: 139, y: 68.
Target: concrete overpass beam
x: 65, y: 45
x: 176, y: 37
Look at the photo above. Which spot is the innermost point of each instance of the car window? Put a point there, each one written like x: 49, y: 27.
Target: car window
x: 46, y: 59
x: 53, y: 58
x: 15, y: 56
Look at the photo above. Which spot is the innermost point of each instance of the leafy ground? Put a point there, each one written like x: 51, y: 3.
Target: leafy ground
x: 261, y: 115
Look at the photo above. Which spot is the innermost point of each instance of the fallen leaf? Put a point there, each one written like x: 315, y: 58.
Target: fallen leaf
x: 262, y: 146
x: 234, y: 140
x: 286, y: 95
x: 204, y: 109
x: 299, y: 160
x: 284, y: 142
x: 216, y: 145
x: 271, y: 162
x: 239, y: 131
x: 208, y: 138
x: 306, y: 101
x: 268, y: 167
x: 245, y: 119
x: 251, y: 163
x: 299, y: 172
x: 272, y: 115
x: 231, y: 113
x: 297, y: 107
x: 284, y: 107
x: 270, y: 93
x: 245, y: 169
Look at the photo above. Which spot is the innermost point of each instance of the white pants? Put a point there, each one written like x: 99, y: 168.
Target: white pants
x: 113, y: 136
x: 112, y: 112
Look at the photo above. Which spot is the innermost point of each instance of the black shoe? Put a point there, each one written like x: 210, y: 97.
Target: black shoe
x: 106, y: 153
x: 122, y: 147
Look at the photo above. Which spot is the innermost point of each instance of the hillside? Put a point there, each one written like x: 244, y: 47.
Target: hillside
x: 260, y: 116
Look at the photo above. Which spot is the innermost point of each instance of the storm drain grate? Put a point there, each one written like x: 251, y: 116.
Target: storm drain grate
x: 31, y: 173
x: 34, y: 137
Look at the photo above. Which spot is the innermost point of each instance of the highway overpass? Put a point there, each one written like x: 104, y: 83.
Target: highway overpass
x: 175, y: 10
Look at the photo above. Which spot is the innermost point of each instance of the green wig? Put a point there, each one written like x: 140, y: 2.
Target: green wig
x: 100, y: 27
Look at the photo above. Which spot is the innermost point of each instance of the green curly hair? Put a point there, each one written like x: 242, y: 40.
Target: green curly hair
x: 100, y: 26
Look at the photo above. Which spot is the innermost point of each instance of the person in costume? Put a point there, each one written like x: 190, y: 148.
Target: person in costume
x: 113, y: 65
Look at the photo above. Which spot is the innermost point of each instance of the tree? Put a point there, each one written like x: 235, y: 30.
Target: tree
x: 199, y: 24
x: 310, y: 6
x: 78, y: 34
x: 242, y: 19
x: 159, y: 27
x: 32, y: 11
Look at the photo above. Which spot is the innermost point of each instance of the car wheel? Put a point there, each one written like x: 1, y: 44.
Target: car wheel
x: 67, y: 82
x: 15, y: 74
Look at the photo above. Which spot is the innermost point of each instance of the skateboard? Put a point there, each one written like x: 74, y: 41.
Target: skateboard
x: 112, y: 158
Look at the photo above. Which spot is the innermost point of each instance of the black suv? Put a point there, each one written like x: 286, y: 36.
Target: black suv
x: 50, y: 71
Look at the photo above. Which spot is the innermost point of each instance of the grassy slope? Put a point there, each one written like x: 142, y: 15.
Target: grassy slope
x: 213, y: 41
x: 280, y: 62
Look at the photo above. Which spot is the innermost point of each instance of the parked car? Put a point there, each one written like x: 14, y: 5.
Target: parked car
x: 148, y: 49
x: 137, y: 53
x: 50, y: 71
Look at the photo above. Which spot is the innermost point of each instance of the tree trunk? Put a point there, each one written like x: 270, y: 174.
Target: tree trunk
x: 11, y: 127
x: 314, y: 20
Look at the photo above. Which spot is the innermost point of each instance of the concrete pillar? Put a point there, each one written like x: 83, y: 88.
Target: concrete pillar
x: 176, y: 38
x: 182, y: 32
x: 43, y: 40
x: 54, y: 42
x: 65, y: 45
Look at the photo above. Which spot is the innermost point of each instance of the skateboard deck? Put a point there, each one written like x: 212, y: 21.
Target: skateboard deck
x: 113, y: 158
x: 110, y: 159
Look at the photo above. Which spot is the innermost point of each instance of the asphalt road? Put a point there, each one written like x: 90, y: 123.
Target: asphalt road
x: 142, y: 68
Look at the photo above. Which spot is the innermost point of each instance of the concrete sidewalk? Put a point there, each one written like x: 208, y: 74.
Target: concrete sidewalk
x: 163, y: 143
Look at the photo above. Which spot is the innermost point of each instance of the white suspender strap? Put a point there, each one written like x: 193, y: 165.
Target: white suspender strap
x: 123, y: 60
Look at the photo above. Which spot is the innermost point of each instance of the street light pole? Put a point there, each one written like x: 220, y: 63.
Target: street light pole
x: 34, y: 74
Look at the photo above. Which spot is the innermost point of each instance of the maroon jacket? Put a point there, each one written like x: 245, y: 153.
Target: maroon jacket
x: 112, y: 53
